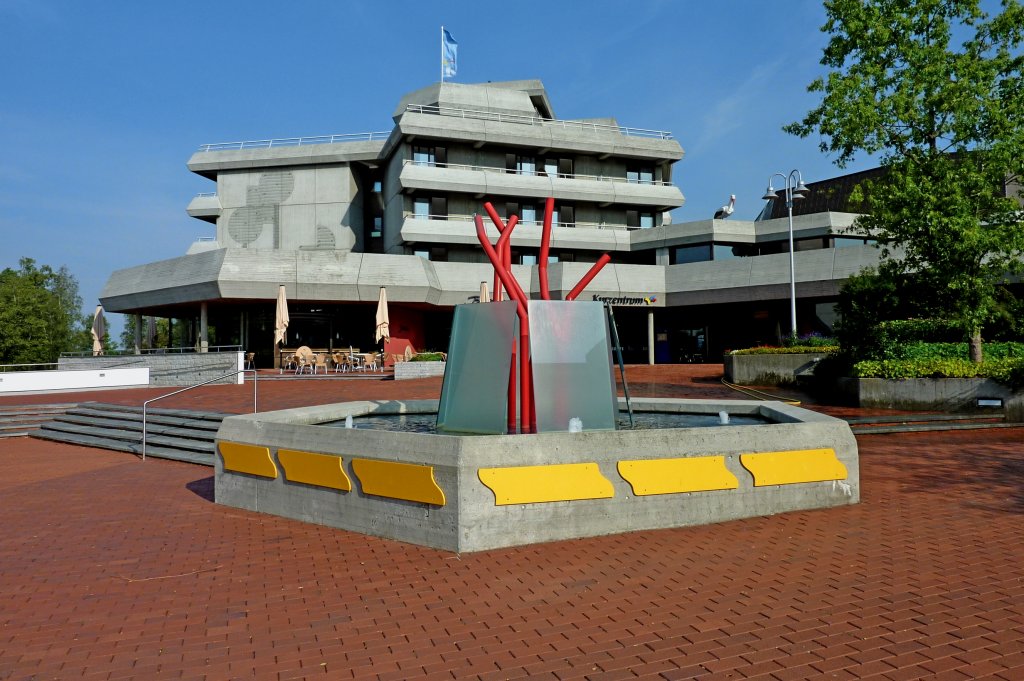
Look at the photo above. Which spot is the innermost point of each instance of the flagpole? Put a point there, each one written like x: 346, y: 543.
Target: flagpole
x: 442, y: 53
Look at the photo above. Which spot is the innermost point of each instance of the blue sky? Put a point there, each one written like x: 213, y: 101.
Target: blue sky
x: 103, y: 103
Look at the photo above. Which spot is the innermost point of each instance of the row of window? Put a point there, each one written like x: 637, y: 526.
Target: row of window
x: 525, y: 164
x: 564, y: 214
x: 718, y: 251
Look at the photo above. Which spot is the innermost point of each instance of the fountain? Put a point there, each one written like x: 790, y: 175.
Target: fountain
x: 526, y: 448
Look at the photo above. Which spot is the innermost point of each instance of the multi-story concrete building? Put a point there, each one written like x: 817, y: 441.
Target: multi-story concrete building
x: 335, y: 218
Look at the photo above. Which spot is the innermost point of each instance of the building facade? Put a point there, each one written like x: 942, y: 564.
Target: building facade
x: 335, y: 218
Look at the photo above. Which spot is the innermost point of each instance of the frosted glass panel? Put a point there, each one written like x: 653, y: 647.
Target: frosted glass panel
x: 572, y: 367
x: 474, y: 394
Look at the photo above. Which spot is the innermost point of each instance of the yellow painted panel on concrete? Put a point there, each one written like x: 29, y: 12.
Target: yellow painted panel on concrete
x: 251, y: 459
x: 787, y: 468
x: 322, y: 470
x: 539, y: 484
x: 674, y: 476
x: 409, y: 481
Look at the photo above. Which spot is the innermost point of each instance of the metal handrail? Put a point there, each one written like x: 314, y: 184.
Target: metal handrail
x: 296, y: 141
x: 457, y: 217
x: 5, y: 367
x: 536, y: 120
x: 205, y: 195
x: 535, y: 173
x: 181, y: 350
x: 145, y: 404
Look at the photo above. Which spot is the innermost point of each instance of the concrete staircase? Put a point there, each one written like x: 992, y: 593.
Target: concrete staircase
x: 176, y: 434
x: 22, y: 420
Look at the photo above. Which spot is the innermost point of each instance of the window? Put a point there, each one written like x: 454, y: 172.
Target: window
x: 423, y: 156
x: 439, y: 208
x: 429, y: 156
x: 421, y: 207
x: 565, y: 216
x: 423, y: 254
x: 685, y: 254
x: 551, y: 167
x: 637, y: 220
x: 814, y: 244
x: 378, y: 224
x: 726, y: 251
x: 377, y: 189
x: 526, y: 165
x: 528, y: 259
x: 640, y: 174
x: 528, y: 214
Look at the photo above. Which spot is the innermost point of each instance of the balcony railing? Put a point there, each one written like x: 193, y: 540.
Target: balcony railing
x: 454, y: 217
x: 296, y: 141
x: 535, y: 173
x: 537, y: 120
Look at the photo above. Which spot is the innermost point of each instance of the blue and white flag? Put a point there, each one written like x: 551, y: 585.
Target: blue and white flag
x: 449, y: 54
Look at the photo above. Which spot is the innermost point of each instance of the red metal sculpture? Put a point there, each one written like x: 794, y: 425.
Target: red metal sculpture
x: 500, y: 256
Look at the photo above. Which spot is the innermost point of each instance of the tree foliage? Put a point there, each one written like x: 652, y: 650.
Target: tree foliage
x: 40, y: 314
x: 934, y: 88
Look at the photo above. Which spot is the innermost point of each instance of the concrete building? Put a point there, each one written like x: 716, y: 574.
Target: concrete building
x: 334, y: 218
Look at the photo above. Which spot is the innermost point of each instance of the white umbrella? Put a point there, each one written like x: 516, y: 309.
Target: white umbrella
x: 99, y: 329
x: 485, y: 296
x: 382, y: 317
x: 281, y: 322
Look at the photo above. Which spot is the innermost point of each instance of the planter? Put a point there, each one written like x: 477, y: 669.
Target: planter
x: 769, y: 369
x: 935, y: 394
x: 404, y: 370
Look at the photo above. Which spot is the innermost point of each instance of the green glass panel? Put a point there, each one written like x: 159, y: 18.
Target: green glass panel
x: 572, y: 366
x: 474, y: 394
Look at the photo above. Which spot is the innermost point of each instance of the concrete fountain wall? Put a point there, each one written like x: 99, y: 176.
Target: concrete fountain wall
x: 471, y: 493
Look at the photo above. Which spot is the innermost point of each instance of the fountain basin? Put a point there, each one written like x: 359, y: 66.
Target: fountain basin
x: 471, y: 493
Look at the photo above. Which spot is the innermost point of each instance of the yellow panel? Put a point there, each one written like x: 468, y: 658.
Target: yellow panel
x: 538, y: 484
x: 671, y: 476
x: 251, y: 459
x: 323, y: 470
x: 409, y: 481
x: 786, y: 468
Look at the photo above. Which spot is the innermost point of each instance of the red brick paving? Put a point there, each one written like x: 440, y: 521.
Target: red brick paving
x: 111, y: 568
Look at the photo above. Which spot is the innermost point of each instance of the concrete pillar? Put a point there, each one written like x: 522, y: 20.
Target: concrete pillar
x: 138, y: 334
x: 204, y: 341
x: 650, y: 337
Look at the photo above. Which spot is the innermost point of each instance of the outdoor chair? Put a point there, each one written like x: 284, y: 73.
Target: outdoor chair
x: 250, y: 360
x: 340, y: 364
x: 320, y: 362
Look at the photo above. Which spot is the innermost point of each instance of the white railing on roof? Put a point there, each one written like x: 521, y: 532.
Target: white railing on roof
x: 536, y: 173
x: 536, y: 120
x: 206, y: 195
x: 296, y: 141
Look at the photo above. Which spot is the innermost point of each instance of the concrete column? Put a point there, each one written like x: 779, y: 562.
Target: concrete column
x: 204, y: 341
x: 138, y: 334
x: 650, y: 337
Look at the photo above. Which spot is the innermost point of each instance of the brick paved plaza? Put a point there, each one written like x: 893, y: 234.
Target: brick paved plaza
x: 114, y: 568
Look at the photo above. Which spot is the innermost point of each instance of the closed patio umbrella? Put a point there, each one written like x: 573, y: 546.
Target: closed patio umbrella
x: 485, y: 296
x: 382, y: 317
x: 281, y: 321
x: 99, y: 329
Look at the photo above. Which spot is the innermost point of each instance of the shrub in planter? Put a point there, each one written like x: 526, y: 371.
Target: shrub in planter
x: 428, y: 357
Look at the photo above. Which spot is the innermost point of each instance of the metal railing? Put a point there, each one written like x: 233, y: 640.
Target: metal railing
x: 537, y: 120
x: 535, y: 173
x: 145, y: 405
x: 539, y: 222
x: 296, y: 141
x: 183, y: 350
x: 205, y: 195
x: 37, y: 366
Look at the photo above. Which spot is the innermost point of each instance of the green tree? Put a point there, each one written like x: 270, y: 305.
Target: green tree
x: 40, y: 314
x: 934, y: 88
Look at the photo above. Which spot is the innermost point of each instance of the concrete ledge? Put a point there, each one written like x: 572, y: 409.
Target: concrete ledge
x: 471, y: 518
x: 177, y: 369
x: 932, y: 394
x: 405, y: 370
x: 773, y: 369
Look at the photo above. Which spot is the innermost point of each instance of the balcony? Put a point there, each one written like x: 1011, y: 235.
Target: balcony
x: 498, y: 182
x: 461, y: 229
x: 205, y: 206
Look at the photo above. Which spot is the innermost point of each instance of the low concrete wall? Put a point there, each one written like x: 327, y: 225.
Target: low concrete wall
x: 933, y: 394
x: 85, y: 379
x: 471, y: 517
x: 177, y: 369
x: 405, y: 370
x: 768, y: 369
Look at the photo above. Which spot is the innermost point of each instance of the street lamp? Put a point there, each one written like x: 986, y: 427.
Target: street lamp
x: 795, y: 189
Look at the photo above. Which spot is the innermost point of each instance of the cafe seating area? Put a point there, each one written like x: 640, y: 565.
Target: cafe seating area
x: 312, y: 361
